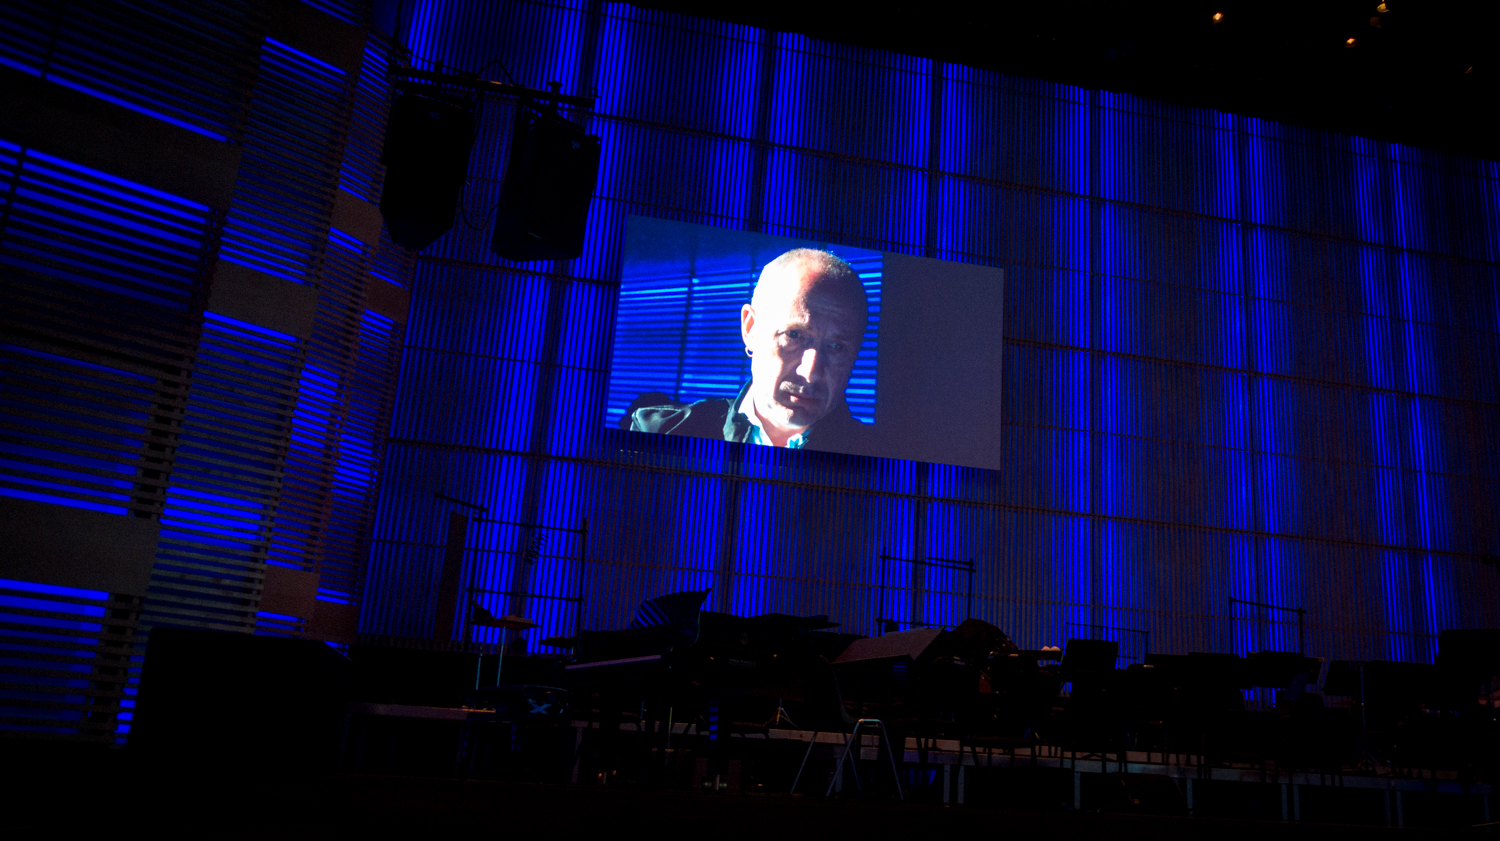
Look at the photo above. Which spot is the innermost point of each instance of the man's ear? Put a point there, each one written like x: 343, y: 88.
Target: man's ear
x: 747, y: 323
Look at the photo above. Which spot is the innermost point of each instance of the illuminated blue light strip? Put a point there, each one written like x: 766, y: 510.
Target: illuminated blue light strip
x: 696, y: 538
x: 304, y: 62
x: 290, y: 136
x: 910, y: 138
x: 244, y: 329
x: 106, y: 233
x: 554, y: 570
x: 28, y: 69
x: 738, y: 91
x: 280, y: 617
x: 896, y: 538
x: 949, y: 537
x: 1420, y: 383
x: 348, y: 11
x: 422, y: 30
x: 346, y: 242
x: 791, y: 80
x: 1271, y: 411
x: 1071, y: 538
x: 360, y: 172
x: 160, y: 201
x: 759, y: 532
x: 615, y: 60
x: 61, y: 475
x: 57, y: 590
x: 954, y: 155
x: 1386, y: 471
x: 138, y: 107
x: 565, y: 48
x: 1228, y: 280
x: 33, y: 645
x: 220, y: 499
x: 1116, y: 437
x: 150, y: 240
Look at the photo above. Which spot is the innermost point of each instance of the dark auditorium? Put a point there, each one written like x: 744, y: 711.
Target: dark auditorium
x: 390, y: 393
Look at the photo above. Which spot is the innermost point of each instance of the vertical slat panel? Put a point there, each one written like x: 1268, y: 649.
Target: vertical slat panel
x: 123, y: 387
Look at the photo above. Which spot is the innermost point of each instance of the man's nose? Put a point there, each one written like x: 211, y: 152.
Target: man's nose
x: 812, y: 365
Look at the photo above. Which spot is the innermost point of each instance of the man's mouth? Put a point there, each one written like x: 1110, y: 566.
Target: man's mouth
x: 801, y: 398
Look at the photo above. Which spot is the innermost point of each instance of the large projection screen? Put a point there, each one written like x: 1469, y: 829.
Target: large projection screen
x: 777, y: 341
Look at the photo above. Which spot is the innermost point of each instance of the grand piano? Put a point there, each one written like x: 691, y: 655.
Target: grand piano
x: 969, y: 681
x: 681, y: 665
x: 692, y: 652
x: 708, y: 666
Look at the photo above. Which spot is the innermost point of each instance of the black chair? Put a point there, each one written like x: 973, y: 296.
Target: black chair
x: 826, y: 700
x: 849, y: 746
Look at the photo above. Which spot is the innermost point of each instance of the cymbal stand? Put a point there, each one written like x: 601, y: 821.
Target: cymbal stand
x: 781, y: 713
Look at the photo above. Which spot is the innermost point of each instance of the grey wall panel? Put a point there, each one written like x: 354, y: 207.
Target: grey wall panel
x: 74, y: 125
x: 248, y: 295
x: 942, y: 344
x: 73, y: 547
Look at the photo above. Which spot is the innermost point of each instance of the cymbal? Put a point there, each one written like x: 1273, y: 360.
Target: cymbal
x: 508, y: 621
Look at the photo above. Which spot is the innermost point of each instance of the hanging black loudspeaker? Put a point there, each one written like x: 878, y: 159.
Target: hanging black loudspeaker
x: 549, y: 182
x: 426, y: 157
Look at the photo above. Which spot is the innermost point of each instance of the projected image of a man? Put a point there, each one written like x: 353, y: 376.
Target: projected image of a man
x: 802, y: 330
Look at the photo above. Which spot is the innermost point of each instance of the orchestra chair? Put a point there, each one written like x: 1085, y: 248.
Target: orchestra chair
x: 827, y: 699
x: 853, y: 767
x: 218, y: 702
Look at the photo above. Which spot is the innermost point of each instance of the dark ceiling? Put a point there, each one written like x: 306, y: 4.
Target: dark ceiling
x: 1417, y: 72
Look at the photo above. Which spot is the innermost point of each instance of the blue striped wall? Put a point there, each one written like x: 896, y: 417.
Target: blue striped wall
x: 1243, y: 360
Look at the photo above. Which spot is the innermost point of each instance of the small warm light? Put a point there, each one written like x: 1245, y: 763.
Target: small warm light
x: 1218, y: 16
x: 1349, y: 42
x: 1381, y: 9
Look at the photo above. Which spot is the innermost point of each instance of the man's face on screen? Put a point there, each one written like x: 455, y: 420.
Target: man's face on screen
x: 803, y: 334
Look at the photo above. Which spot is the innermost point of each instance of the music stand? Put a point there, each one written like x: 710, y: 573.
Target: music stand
x: 1474, y: 654
x: 1347, y: 677
x: 1085, y: 656
x: 508, y: 622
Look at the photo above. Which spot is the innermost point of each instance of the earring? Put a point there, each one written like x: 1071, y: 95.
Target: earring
x: 749, y: 352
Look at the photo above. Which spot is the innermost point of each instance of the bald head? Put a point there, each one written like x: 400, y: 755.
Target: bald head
x: 808, y: 268
x: 802, y: 328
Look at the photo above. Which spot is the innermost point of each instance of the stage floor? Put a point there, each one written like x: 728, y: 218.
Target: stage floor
x: 92, y: 794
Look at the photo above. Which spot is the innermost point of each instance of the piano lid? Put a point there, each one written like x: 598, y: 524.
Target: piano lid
x: 671, y: 609
x: 806, y: 623
x: 909, y: 644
